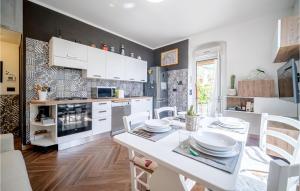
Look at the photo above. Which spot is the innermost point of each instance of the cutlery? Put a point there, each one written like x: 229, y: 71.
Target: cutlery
x: 196, y: 153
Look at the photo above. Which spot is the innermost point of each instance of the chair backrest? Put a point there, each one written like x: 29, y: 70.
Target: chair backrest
x: 165, y: 109
x: 135, y: 118
x: 295, y: 143
x: 282, y: 176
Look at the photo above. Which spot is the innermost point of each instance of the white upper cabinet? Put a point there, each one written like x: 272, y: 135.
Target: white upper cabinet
x: 115, y: 66
x: 136, y: 70
x: 96, y: 63
x: 67, y: 54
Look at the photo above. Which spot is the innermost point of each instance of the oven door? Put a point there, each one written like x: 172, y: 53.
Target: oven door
x: 73, y: 118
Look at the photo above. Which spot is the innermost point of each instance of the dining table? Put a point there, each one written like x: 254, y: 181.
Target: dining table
x: 173, y: 166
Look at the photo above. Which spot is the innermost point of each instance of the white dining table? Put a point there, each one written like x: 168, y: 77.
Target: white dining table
x: 171, y: 165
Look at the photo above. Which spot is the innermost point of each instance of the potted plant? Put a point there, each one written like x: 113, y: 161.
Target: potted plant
x: 41, y: 91
x: 191, y: 119
x: 232, y: 90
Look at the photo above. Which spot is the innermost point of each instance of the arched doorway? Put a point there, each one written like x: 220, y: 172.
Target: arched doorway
x: 209, y: 77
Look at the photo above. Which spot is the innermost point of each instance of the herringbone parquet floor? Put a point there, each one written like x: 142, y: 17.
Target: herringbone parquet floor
x: 101, y: 165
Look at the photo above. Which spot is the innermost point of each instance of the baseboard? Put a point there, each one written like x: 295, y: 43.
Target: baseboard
x: 81, y: 141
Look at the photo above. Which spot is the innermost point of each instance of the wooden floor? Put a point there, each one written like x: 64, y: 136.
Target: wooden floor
x: 98, y: 165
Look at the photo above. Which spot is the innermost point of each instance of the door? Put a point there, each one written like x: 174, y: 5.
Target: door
x: 115, y: 68
x: 208, y: 86
x: 141, y: 66
x: 96, y: 63
x: 136, y: 70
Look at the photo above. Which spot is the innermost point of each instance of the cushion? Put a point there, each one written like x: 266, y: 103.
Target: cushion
x: 145, y: 163
x: 13, y: 172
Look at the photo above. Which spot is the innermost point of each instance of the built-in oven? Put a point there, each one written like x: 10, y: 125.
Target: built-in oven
x: 103, y: 92
x: 73, y: 118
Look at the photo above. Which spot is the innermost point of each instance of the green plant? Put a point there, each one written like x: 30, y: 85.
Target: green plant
x: 203, y: 93
x: 191, y: 111
x: 232, y: 81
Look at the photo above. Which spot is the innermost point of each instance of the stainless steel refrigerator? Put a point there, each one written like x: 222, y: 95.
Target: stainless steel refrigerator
x: 157, y: 86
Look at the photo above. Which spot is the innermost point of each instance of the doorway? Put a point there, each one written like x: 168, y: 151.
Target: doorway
x: 206, y: 77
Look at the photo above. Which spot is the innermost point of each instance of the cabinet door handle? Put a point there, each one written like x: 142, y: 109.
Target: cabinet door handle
x: 70, y: 56
x: 102, y: 103
x: 143, y: 80
x: 97, y: 76
x: 101, y: 111
x: 131, y: 79
x: 137, y: 100
x: 101, y: 119
x: 116, y: 78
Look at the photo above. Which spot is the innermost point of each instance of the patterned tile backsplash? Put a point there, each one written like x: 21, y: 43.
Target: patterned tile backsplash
x: 63, y: 82
x: 178, y: 89
x: 9, y: 114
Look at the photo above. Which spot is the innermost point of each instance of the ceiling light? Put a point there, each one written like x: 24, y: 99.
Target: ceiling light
x: 155, y: 1
x: 129, y: 5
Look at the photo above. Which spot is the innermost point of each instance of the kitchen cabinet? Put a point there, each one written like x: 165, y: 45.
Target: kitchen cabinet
x: 287, y: 39
x: 101, y: 117
x: 96, y: 67
x: 115, y: 66
x: 142, y: 105
x: 95, y: 62
x: 136, y: 70
x: 12, y: 15
x: 67, y: 54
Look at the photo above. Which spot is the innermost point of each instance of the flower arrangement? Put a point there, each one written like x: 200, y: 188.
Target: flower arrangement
x: 41, y: 91
x: 38, y: 87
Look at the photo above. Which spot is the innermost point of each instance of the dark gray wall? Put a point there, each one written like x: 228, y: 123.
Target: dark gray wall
x: 183, y: 54
x: 41, y: 23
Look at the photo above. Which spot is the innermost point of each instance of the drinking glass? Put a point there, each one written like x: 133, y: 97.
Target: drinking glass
x: 184, y: 137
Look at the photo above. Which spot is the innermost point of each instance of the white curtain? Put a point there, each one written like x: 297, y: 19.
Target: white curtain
x: 214, y: 102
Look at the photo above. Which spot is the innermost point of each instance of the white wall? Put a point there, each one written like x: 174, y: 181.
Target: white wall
x: 296, y: 9
x: 249, y: 46
x: 9, y: 54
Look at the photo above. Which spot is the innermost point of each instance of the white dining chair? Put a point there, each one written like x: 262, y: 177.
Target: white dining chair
x: 140, y: 163
x: 256, y: 162
x: 141, y: 168
x: 278, y: 178
x: 161, y: 110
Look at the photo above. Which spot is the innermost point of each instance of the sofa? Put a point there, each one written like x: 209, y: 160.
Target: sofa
x: 14, y: 175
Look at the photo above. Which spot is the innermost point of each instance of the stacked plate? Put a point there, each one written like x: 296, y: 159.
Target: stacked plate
x: 230, y: 122
x: 157, y: 126
x: 214, y: 144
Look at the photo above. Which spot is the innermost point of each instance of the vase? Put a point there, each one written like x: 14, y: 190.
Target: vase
x: 43, y: 95
x: 191, y: 123
x: 231, y: 92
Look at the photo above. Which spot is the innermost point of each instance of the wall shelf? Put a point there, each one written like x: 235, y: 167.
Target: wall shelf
x: 43, y: 142
x: 41, y: 124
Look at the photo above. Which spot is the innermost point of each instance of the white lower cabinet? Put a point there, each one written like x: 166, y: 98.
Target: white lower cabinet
x: 142, y: 105
x: 101, y: 117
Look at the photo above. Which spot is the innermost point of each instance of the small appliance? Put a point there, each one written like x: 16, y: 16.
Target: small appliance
x: 103, y: 92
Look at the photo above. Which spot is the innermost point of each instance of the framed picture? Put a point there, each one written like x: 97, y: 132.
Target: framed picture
x: 169, y: 57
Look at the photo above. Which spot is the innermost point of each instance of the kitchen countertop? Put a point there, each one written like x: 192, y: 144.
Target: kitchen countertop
x: 55, y: 102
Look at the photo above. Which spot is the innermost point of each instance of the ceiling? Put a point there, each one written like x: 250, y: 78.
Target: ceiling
x: 157, y: 24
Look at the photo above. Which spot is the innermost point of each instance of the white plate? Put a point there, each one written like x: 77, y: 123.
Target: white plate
x: 214, y: 141
x: 230, y: 121
x: 230, y: 153
x: 157, y: 123
x: 161, y: 130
